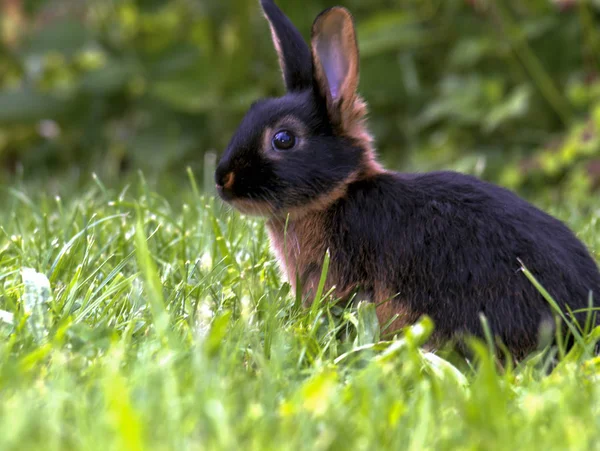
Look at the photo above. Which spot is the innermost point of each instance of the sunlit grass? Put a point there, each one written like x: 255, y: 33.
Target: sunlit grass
x: 167, y: 326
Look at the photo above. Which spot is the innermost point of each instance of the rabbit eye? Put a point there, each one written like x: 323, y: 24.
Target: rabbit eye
x: 283, y: 140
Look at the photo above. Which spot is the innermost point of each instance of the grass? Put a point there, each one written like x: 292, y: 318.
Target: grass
x: 165, y: 325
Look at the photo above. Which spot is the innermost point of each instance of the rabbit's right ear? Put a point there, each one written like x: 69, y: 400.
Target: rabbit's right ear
x: 294, y: 54
x: 335, y: 62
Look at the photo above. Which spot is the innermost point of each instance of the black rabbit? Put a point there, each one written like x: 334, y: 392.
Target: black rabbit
x: 442, y: 244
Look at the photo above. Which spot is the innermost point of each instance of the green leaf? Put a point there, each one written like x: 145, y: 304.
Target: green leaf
x: 218, y: 331
x: 515, y: 106
x: 368, y: 324
x: 152, y: 283
x: 390, y: 31
x: 27, y: 105
x: 66, y: 37
x: 187, y: 95
x: 108, y: 79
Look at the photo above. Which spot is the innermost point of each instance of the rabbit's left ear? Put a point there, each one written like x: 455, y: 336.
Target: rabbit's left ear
x: 335, y: 61
x: 293, y: 52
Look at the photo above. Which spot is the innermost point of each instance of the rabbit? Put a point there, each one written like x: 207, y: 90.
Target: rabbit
x: 442, y: 244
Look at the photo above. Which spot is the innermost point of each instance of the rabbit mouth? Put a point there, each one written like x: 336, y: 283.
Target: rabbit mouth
x: 246, y: 205
x: 252, y: 207
x: 225, y: 193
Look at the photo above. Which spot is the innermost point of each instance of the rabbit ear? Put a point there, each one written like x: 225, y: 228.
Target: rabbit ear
x: 294, y: 53
x: 335, y: 61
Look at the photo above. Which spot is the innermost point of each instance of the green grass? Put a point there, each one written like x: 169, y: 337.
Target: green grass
x: 166, y: 326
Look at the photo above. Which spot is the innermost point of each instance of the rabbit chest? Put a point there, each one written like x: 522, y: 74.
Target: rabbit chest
x: 300, y: 247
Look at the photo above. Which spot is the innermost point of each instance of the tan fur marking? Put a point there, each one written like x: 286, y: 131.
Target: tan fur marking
x: 299, y: 248
x: 388, y: 309
x: 321, y: 203
x: 300, y: 251
x: 371, y: 165
x: 291, y: 123
x: 229, y: 179
x: 350, y: 49
x: 266, y: 140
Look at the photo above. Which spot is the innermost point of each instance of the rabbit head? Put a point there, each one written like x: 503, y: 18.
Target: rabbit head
x: 298, y: 152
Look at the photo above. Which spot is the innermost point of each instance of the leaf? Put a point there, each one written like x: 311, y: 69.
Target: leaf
x: 314, y: 395
x: 37, y: 289
x: 368, y: 324
x: 37, y: 292
x: 460, y: 102
x: 187, y: 95
x: 6, y: 317
x: 314, y: 308
x: 218, y: 331
x: 27, y: 105
x: 468, y: 52
x: 66, y: 37
x: 152, y: 283
x: 513, y: 107
x: 317, y: 392
x: 443, y: 369
x: 125, y: 420
x: 108, y: 79
x: 147, y: 146
x: 388, y: 31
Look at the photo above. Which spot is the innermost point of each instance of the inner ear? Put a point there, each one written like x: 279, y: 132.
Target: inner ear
x: 335, y: 57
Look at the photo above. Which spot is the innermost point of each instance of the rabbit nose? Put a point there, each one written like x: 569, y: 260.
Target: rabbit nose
x: 225, y: 180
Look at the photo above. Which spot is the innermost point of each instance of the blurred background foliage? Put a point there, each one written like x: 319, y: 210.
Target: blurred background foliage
x: 506, y: 89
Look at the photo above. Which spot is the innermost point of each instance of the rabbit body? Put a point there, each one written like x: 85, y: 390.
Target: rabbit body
x: 444, y: 245
x: 440, y: 244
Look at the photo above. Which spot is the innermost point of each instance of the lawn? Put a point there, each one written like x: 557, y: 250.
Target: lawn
x: 129, y: 320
